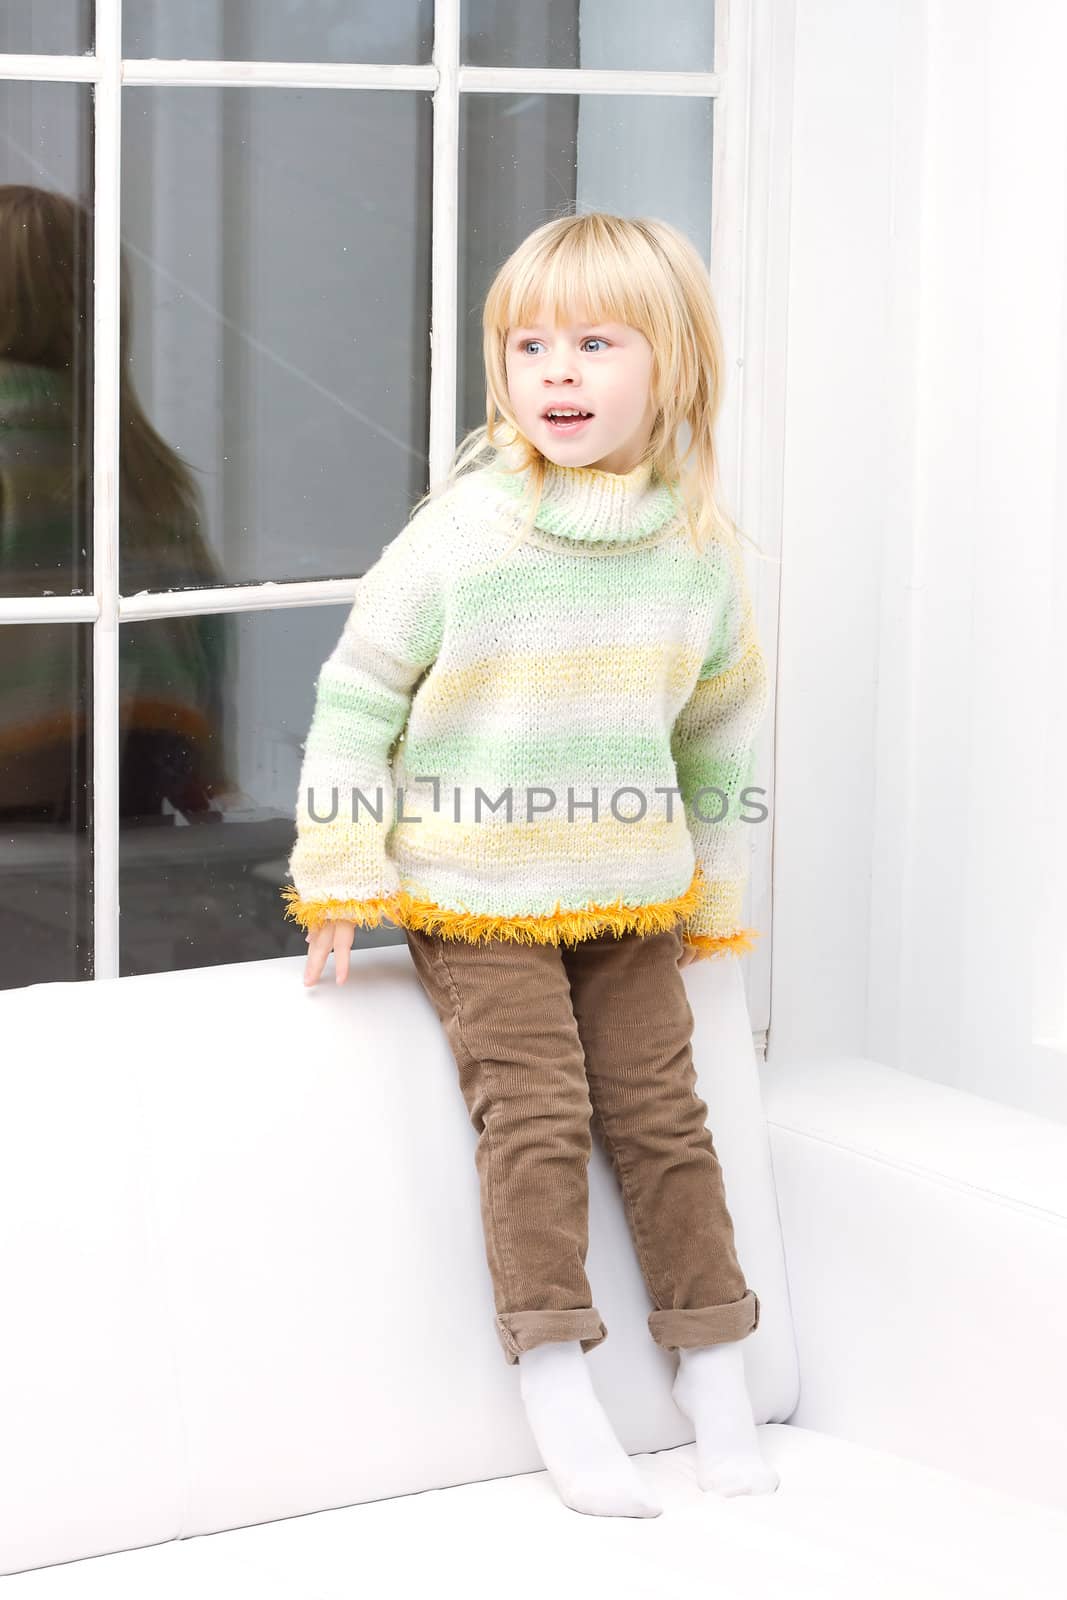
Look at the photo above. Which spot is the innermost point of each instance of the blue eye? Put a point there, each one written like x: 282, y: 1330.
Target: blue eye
x: 593, y: 338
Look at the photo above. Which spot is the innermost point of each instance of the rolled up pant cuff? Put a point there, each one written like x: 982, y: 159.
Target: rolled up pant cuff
x: 688, y: 1330
x: 522, y: 1330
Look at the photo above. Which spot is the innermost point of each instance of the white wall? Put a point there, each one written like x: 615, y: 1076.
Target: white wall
x: 836, y: 493
x: 925, y: 424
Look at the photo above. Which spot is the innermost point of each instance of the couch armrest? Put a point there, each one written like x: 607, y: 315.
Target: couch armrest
x: 925, y: 1234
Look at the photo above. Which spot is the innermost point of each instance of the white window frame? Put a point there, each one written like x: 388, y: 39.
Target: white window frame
x: 1049, y: 858
x: 751, y: 90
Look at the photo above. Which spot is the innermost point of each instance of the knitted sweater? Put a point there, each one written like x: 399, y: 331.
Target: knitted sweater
x: 173, y: 671
x: 543, y: 740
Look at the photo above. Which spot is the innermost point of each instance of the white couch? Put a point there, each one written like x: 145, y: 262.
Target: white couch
x: 247, y: 1347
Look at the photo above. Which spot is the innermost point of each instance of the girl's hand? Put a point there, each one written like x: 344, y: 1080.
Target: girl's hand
x: 688, y: 954
x: 335, y: 936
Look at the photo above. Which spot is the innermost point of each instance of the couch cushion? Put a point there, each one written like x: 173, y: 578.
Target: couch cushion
x: 245, y: 1245
x: 845, y: 1521
x: 926, y: 1240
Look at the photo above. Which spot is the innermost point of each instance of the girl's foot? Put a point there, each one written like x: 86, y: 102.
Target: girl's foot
x: 589, y: 1467
x: 710, y: 1389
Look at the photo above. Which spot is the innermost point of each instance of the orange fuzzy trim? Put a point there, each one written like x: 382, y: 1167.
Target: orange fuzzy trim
x: 560, y: 927
x: 312, y: 914
x: 735, y: 944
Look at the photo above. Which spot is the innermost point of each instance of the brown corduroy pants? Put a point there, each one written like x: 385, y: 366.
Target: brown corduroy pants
x: 549, y: 1041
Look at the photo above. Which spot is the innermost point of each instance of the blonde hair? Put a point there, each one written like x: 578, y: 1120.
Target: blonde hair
x: 645, y: 273
x: 45, y: 266
x: 45, y: 272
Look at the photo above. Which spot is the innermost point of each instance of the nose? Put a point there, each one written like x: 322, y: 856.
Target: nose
x: 562, y: 368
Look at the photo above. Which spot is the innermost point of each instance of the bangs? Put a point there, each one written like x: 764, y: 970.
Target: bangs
x: 575, y: 279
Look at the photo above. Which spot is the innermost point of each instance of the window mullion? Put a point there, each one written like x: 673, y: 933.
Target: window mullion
x: 104, y: 821
x: 444, y: 244
x: 49, y: 69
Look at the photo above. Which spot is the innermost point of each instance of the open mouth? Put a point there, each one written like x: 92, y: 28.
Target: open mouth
x: 567, y: 420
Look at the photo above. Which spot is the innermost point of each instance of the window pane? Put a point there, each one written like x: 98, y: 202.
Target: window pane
x: 215, y: 714
x: 519, y: 166
x: 276, y: 395
x: 47, y: 27
x: 45, y: 773
x: 621, y: 34
x: 252, y: 30
x: 46, y: 489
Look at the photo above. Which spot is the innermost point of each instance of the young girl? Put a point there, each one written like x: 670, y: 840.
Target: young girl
x: 171, y: 670
x: 554, y: 652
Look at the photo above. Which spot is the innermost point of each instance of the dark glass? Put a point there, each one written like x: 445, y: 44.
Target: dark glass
x: 519, y: 167
x: 46, y: 679
x: 276, y: 332
x: 263, y: 30
x: 215, y: 714
x: 46, y: 27
x: 46, y: 461
x: 628, y: 35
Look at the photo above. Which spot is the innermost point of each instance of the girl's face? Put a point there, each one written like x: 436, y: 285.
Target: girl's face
x: 602, y: 368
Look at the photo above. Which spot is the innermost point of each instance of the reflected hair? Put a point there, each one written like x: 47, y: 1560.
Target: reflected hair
x: 45, y: 305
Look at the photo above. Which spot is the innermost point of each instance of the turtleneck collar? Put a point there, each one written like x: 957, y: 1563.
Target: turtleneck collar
x: 587, y: 504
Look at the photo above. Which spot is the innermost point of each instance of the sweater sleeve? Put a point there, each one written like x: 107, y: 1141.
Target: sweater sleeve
x: 345, y: 806
x: 713, y: 744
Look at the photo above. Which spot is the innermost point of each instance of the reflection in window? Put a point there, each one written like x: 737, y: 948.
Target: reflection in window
x: 622, y: 35
x: 45, y: 758
x: 400, y: 32
x: 46, y: 495
x: 46, y: 317
x: 214, y: 718
x: 57, y: 27
x: 278, y: 243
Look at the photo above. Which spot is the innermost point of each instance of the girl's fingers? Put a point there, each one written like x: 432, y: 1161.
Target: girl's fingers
x: 318, y: 949
x: 335, y: 936
x: 342, y: 944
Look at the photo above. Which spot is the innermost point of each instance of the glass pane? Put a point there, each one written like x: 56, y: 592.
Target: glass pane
x: 45, y: 771
x: 276, y: 393
x: 252, y: 30
x: 504, y: 193
x: 215, y: 711
x: 47, y: 27
x: 621, y: 34
x: 46, y: 485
